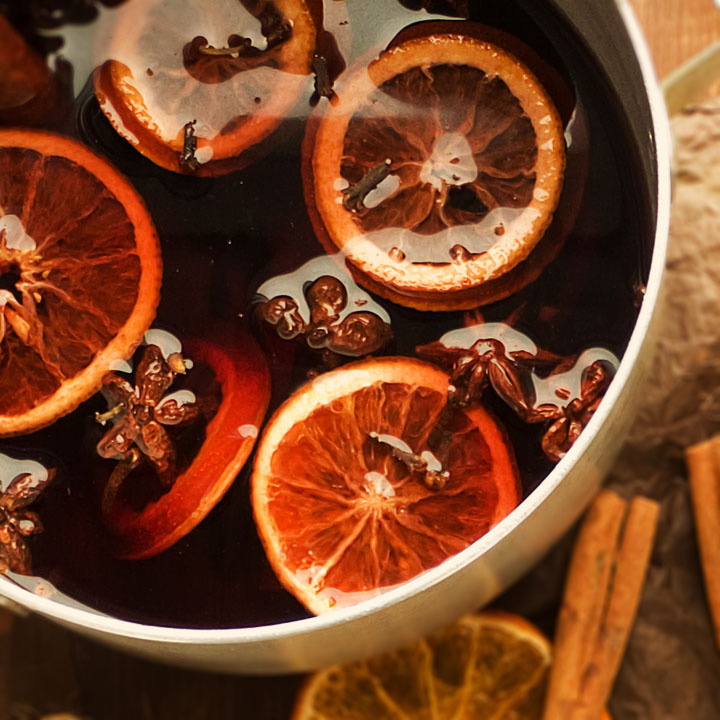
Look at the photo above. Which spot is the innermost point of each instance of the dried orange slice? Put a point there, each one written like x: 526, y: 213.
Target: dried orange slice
x: 223, y: 72
x: 340, y: 517
x: 491, y: 665
x: 237, y: 369
x: 80, y: 273
x: 437, y: 170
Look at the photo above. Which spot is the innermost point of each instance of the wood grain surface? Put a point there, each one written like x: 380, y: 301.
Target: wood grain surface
x: 677, y: 30
x: 45, y: 670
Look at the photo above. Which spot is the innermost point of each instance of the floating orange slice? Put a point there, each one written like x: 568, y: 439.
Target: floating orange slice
x: 238, y: 370
x: 340, y: 517
x: 490, y: 665
x: 438, y: 169
x: 222, y: 71
x: 80, y: 273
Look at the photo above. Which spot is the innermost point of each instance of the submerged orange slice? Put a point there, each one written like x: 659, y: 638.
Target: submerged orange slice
x: 437, y: 170
x: 80, y: 273
x: 231, y: 69
x: 341, y: 519
x: 490, y: 666
x: 241, y: 376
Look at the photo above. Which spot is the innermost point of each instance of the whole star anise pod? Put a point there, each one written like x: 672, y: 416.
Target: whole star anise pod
x: 139, y: 414
x: 17, y: 523
x: 570, y: 422
x: 513, y: 376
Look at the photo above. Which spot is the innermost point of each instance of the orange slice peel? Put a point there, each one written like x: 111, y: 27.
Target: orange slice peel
x: 81, y: 270
x: 476, y: 156
x: 159, y: 86
x: 240, y: 370
x: 341, y: 520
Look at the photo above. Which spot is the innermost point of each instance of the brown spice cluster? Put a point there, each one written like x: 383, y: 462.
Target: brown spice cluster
x: 17, y: 523
x: 139, y: 414
x: 358, y: 333
x: 488, y: 363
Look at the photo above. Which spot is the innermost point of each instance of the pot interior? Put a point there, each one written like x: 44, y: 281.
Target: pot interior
x: 230, y: 237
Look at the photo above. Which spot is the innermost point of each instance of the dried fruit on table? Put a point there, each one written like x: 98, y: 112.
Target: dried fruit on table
x: 80, y: 273
x: 490, y: 665
x: 437, y: 170
x: 194, y: 84
x: 345, y: 490
x: 154, y: 497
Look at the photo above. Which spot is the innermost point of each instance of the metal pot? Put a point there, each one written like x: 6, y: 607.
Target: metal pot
x: 477, y: 574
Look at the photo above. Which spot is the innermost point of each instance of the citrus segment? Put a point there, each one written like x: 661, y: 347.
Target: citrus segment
x: 241, y: 376
x: 80, y: 273
x: 437, y: 170
x: 340, y: 517
x: 223, y: 72
x: 492, y: 666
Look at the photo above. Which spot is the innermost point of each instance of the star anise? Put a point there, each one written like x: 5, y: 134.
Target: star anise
x: 512, y: 375
x: 17, y: 523
x: 571, y: 420
x: 358, y: 333
x: 487, y: 362
x: 139, y: 414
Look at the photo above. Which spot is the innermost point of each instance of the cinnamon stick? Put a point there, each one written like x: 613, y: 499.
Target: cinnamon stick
x: 581, y: 611
x: 632, y: 563
x: 703, y: 461
x: 601, y: 598
x: 6, y: 627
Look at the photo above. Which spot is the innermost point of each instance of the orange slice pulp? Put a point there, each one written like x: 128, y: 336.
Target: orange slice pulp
x: 80, y: 273
x: 340, y: 518
x: 474, y: 153
x: 239, y: 368
x: 164, y: 72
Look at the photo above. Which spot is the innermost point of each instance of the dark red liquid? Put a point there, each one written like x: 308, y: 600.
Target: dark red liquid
x: 222, y: 237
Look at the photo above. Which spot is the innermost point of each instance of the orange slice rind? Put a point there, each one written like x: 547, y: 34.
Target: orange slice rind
x: 476, y: 157
x: 149, y: 93
x: 82, y: 256
x: 340, y: 519
x: 240, y: 371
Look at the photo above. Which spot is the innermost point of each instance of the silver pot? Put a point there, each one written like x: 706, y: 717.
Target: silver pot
x: 477, y: 574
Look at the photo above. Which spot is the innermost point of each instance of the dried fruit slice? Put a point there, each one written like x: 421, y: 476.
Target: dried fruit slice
x: 340, y: 516
x: 193, y: 84
x: 236, y: 369
x: 491, y: 665
x: 437, y: 170
x: 80, y: 274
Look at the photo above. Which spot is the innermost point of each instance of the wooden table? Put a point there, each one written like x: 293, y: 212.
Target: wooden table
x: 677, y: 29
x: 122, y: 687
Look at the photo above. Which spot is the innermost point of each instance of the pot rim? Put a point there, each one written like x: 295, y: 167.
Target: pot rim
x: 95, y: 620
